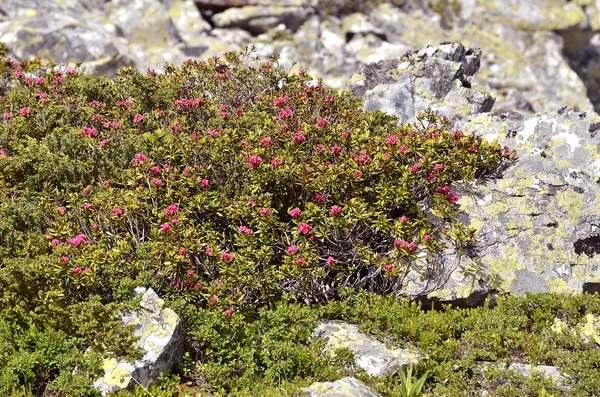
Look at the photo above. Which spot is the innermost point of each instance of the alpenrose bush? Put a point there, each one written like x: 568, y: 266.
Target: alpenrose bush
x: 225, y: 182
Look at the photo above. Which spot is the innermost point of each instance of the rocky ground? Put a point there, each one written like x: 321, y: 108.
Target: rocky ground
x: 537, y: 55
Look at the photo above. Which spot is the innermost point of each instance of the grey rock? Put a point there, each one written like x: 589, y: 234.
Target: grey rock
x: 371, y: 355
x: 159, y: 330
x: 345, y: 387
x: 547, y: 371
x: 436, y: 78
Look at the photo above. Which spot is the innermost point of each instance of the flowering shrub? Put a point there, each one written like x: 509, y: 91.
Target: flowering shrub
x: 142, y: 177
x: 223, y: 182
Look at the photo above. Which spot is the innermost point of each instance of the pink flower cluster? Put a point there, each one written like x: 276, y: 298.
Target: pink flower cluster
x: 226, y: 256
x: 188, y: 103
x: 295, y: 213
x: 304, y: 228
x: 114, y: 124
x: 137, y: 118
x: 246, y: 230
x: 284, y: 113
x: 276, y: 162
x: 298, y: 138
x: 140, y: 158
x: 170, y: 210
x: 89, y: 131
x: 292, y: 249
x: 77, y: 240
x: 363, y: 159
x: 264, y: 211
x: 117, y: 211
x: 265, y: 142
x: 392, y: 140
x: 254, y: 161
x: 405, y: 244
x: 279, y: 101
x: 335, y: 210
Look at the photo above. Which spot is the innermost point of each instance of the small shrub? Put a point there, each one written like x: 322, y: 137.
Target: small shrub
x: 223, y: 184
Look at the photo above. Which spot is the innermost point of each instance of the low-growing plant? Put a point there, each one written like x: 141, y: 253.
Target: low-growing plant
x: 224, y: 184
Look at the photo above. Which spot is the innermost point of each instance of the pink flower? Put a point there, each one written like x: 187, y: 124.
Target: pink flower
x: 247, y: 231
x: 91, y: 132
x: 398, y: 243
x: 388, y: 155
x: 254, y: 161
x: 438, y: 167
x: 430, y: 177
x: 77, y: 240
x: 427, y: 237
x: 251, y: 201
x: 473, y: 149
x: 265, y: 142
x: 321, y: 122
x: 117, y: 212
x: 94, y: 104
x: 55, y: 242
x: 106, y: 182
x: 137, y: 118
x: 304, y: 228
x: 190, y: 273
x: 389, y: 267
x: 320, y: 148
x: 292, y: 249
x: 228, y: 313
x: 213, y: 299
x: 170, y: 210
x: 87, y: 270
x: 61, y: 209
x: 295, y: 213
x: 226, y: 257
x: 276, y: 162
x: 140, y: 158
x: 64, y: 259
x: 208, y: 251
x: 403, y: 219
x: 88, y: 206
x: 453, y: 197
x: 300, y: 261
x: 8, y: 115
x: 156, y: 182
x: 279, y: 101
x: 442, y: 189
x: 165, y: 227
x: 403, y: 149
x: 182, y: 252
x: 264, y: 211
x: 335, y: 210
x: 76, y: 270
x: 330, y: 260
x: 414, y: 169
x: 175, y: 222
x: 58, y: 80
x: 19, y: 74
x: 298, y: 138
x: 24, y: 111
x: 2, y: 153
x: 40, y: 80
x: 86, y: 190
x: 204, y: 183
x: 285, y: 113
x: 94, y: 226
x: 412, y: 246
x: 392, y: 140
x: 155, y: 170
x: 197, y: 286
x: 336, y: 149
x: 356, y: 174
x: 320, y: 197
x: 224, y: 115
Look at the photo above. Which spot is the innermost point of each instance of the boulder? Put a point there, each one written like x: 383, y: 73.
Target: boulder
x: 547, y: 371
x: 161, y: 340
x: 370, y: 354
x: 345, y: 387
x: 436, y: 77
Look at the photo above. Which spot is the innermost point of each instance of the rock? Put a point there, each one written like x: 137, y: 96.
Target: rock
x: 345, y: 387
x: 523, y: 69
x: 160, y: 338
x: 546, y: 371
x: 371, y: 355
x: 436, y: 78
x: 259, y: 19
x: 588, y: 330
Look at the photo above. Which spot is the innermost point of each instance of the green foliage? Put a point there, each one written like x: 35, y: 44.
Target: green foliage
x: 410, y: 388
x: 223, y: 184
